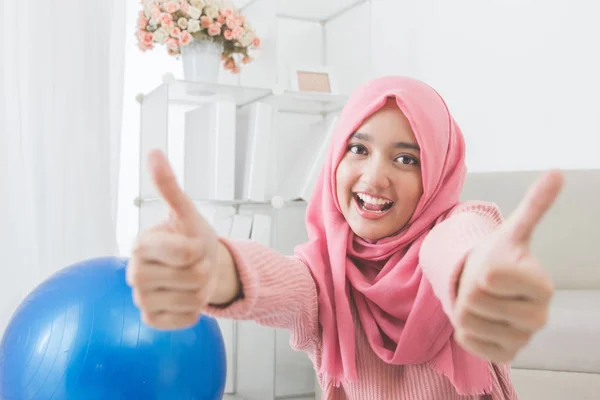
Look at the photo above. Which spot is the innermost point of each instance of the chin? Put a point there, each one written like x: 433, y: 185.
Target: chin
x: 371, y: 233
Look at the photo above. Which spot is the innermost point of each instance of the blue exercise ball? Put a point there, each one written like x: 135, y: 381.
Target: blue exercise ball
x: 78, y: 336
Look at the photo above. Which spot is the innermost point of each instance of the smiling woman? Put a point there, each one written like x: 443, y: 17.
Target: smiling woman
x: 390, y: 271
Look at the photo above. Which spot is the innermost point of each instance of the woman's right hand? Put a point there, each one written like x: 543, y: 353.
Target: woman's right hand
x: 179, y: 266
x: 504, y: 292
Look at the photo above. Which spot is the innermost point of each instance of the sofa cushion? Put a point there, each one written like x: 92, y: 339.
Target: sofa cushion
x: 570, y: 339
x: 567, y: 238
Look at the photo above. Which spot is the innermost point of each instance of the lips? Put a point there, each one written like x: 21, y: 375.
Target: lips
x: 372, y: 207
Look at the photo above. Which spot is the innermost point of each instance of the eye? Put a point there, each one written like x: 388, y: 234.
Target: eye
x: 357, y: 149
x: 407, y: 160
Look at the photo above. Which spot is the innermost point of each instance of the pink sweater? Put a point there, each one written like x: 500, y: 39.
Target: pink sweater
x: 279, y: 291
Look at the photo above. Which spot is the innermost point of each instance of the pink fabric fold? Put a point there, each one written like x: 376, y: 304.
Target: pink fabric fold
x: 402, y: 318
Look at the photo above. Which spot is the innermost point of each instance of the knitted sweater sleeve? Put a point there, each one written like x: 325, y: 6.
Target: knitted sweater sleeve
x: 445, y: 249
x: 277, y: 291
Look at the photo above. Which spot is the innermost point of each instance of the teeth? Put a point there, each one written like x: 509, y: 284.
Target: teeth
x: 373, y: 211
x: 373, y: 200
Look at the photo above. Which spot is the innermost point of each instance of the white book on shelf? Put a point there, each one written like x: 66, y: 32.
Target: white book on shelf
x: 308, y: 185
x: 222, y: 226
x: 241, y: 227
x: 300, y: 181
x: 209, y: 154
x: 261, y: 229
x: 255, y: 125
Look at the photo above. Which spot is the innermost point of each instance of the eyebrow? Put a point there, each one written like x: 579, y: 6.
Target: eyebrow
x: 401, y: 145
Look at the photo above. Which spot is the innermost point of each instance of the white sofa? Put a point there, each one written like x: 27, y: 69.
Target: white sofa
x: 562, y: 362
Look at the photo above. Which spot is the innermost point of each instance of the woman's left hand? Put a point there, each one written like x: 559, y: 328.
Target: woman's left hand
x: 504, y: 293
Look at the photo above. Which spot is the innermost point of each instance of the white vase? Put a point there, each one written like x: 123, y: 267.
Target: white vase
x: 201, y: 61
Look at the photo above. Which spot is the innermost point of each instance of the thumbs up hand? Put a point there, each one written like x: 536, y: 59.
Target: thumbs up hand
x: 504, y: 293
x: 178, y: 266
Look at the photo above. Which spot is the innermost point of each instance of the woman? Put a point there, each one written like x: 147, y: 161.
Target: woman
x: 401, y: 292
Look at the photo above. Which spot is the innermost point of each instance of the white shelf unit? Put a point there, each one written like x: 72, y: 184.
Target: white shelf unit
x: 161, y: 110
x: 197, y: 93
x: 252, y: 349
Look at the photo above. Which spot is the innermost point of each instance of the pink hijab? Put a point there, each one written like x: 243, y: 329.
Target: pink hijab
x: 402, y: 318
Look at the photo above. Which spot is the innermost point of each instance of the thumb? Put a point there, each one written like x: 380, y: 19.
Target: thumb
x: 538, y: 200
x: 165, y: 181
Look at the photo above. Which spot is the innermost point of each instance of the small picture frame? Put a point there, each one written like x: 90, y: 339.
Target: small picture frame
x: 320, y: 79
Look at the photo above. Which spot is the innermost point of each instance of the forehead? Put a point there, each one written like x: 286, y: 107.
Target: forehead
x: 388, y: 123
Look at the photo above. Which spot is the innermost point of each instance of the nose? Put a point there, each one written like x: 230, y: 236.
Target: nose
x: 376, y: 173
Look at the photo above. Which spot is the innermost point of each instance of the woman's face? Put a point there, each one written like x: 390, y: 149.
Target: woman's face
x: 379, y: 177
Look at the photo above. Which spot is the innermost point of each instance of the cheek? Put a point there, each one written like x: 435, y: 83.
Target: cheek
x: 344, y: 180
x: 410, y: 188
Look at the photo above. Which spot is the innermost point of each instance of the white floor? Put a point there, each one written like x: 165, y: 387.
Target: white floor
x: 235, y: 397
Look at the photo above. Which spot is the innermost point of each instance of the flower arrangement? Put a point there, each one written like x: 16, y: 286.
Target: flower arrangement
x: 176, y: 23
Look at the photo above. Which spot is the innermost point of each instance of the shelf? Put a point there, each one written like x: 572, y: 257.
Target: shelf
x: 138, y: 202
x: 310, y: 10
x: 199, y: 92
x: 306, y: 102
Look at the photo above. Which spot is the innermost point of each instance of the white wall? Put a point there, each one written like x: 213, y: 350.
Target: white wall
x: 521, y: 77
x: 349, y: 45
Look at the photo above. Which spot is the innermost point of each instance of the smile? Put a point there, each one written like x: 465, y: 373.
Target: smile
x: 370, y: 206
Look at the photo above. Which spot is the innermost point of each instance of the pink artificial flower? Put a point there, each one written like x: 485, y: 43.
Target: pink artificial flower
x: 228, y: 34
x: 142, y: 22
x: 237, y: 33
x: 148, y: 38
x: 185, y: 6
x: 247, y: 59
x: 155, y: 13
x: 256, y: 42
x: 205, y: 21
x: 175, y: 32
x: 172, y: 44
x: 145, y: 46
x: 171, y: 6
x: 227, y: 12
x: 221, y: 19
x: 145, y: 40
x: 140, y: 35
x: 185, y: 38
x: 233, y: 22
x: 214, y: 29
x: 166, y: 20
